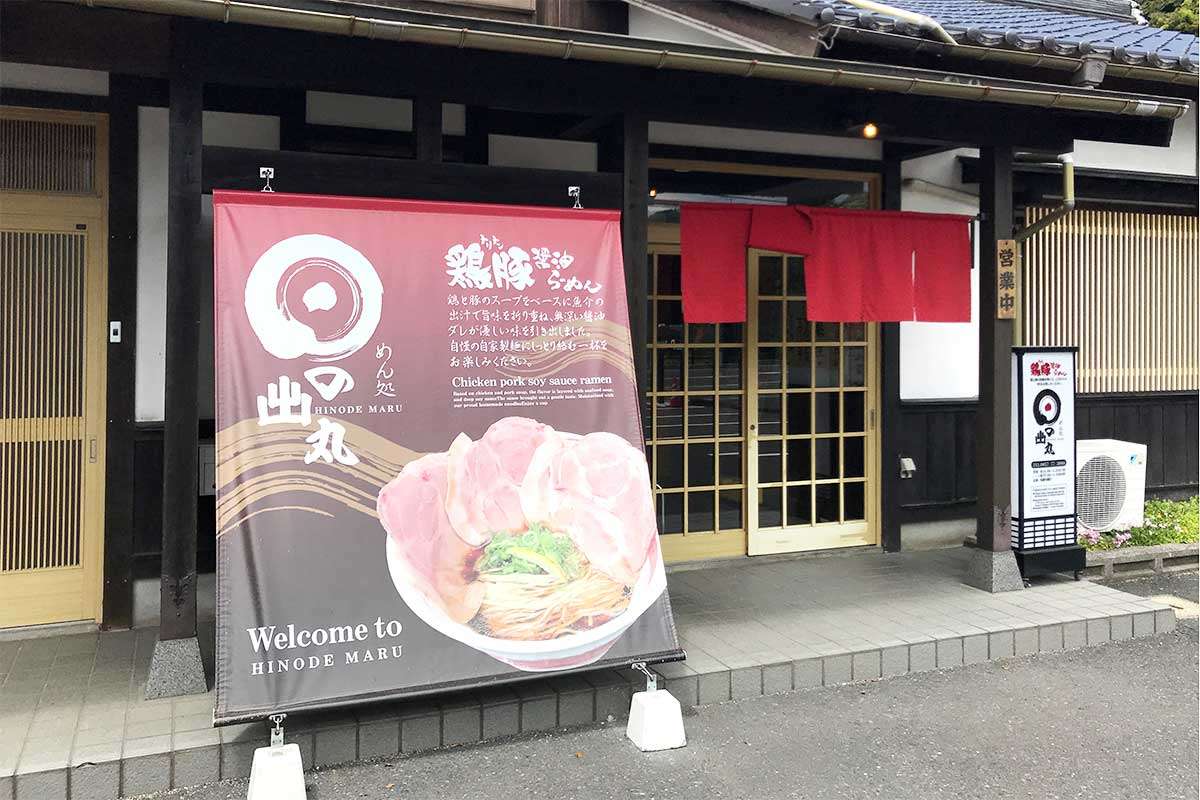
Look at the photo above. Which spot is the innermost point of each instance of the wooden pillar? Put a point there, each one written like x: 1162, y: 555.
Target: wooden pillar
x: 889, y: 390
x: 123, y: 96
x: 427, y: 128
x: 475, y: 137
x: 994, y: 417
x: 635, y: 147
x: 180, y: 435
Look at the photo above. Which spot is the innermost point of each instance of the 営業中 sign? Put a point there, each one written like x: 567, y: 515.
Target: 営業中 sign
x: 430, y: 464
x: 1008, y: 261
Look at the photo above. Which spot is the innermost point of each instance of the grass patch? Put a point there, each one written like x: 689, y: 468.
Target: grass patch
x: 1167, y: 522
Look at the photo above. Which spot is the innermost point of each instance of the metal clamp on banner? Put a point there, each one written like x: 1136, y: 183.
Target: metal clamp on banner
x: 651, y: 678
x: 277, y: 731
x: 266, y: 173
x: 575, y: 192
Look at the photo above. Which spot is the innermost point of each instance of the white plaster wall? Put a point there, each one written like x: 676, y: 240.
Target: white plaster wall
x: 522, y: 151
x: 38, y: 77
x: 940, y: 360
x: 1178, y: 159
x: 765, y: 141
x: 242, y: 130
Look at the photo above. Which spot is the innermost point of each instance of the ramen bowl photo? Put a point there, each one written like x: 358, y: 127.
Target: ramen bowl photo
x: 535, y: 546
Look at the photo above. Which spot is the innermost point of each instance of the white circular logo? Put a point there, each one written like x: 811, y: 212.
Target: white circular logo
x: 313, y: 295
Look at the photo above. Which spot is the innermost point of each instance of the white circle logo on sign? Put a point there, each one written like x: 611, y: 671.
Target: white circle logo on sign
x: 304, y: 281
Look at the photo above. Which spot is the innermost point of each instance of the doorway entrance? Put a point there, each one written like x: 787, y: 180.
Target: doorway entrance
x: 762, y: 436
x: 810, y: 422
x: 53, y: 241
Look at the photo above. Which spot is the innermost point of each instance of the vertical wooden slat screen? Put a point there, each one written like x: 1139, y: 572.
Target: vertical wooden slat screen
x: 1125, y: 288
x: 47, y: 156
x: 41, y: 399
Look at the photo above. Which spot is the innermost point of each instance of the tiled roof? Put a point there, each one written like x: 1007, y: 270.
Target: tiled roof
x: 1016, y: 27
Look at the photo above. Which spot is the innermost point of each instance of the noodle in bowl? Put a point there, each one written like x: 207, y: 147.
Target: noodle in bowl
x: 574, y: 649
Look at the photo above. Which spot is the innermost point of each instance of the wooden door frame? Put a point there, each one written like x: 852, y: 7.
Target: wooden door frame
x: 64, y: 212
x: 827, y: 535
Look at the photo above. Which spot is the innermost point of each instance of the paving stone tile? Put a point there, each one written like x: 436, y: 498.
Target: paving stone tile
x: 236, y: 759
x: 613, y: 694
x: 1025, y: 641
x: 837, y: 669
x: 1164, y: 621
x: 420, y: 733
x: 807, y: 673
x: 866, y: 666
x: 153, y: 727
x: 949, y: 653
x: 1000, y: 645
x: 100, y: 781
x: 461, y: 725
x: 1098, y: 631
x: 894, y: 661
x: 746, y: 682
x: 148, y: 745
x: 1143, y: 624
x: 196, y: 766
x: 685, y: 689
x: 576, y: 700
x: 975, y: 649
x: 335, y: 745
x: 1074, y: 634
x: 777, y: 678
x: 48, y: 785
x: 1122, y: 627
x: 146, y: 774
x: 1050, y: 638
x: 922, y: 656
x: 714, y: 687
x: 378, y: 738
x: 183, y: 740
x: 501, y: 719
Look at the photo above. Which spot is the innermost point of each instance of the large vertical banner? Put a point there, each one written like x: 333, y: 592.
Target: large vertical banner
x: 430, y: 464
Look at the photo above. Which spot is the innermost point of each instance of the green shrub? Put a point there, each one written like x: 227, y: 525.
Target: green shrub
x: 1167, y: 522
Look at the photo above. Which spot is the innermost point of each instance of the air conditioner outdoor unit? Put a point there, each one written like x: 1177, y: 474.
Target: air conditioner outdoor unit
x: 1110, y: 484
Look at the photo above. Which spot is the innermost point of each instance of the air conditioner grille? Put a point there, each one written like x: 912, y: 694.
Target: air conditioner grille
x: 1100, y: 492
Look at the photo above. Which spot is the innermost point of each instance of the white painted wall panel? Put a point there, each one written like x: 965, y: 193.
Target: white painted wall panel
x: 377, y: 113
x: 940, y: 360
x: 521, y: 151
x: 1178, y: 159
x: 224, y: 129
x: 41, y: 78
x: 648, y: 25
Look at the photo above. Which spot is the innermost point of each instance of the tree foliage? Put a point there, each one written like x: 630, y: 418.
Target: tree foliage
x: 1175, y: 15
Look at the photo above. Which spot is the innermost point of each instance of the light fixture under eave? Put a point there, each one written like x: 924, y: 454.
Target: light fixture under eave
x: 653, y: 192
x: 870, y: 130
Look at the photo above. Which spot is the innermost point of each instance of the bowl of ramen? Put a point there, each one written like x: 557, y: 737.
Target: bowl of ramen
x: 535, y: 546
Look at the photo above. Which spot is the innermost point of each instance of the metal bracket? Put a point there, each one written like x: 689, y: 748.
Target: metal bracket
x: 266, y: 173
x: 575, y: 192
x: 651, y: 678
x: 277, y: 731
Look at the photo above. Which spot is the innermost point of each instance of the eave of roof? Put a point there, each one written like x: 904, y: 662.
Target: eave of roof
x: 992, y: 25
x: 375, y: 22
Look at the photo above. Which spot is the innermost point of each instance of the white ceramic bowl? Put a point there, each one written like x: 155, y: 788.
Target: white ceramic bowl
x: 565, y: 652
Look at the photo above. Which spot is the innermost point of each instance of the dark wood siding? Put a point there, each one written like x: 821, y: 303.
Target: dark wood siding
x: 940, y: 437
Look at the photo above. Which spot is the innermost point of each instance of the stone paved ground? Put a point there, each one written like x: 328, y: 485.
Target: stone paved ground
x: 1114, y: 721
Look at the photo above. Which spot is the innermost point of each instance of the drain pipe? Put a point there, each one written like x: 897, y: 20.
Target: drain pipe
x: 1068, y: 205
x: 911, y: 17
x: 1068, y: 202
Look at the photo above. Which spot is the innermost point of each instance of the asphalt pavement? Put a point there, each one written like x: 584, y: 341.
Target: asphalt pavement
x: 1115, y: 721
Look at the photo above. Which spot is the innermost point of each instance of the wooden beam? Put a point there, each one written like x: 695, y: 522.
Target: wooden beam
x: 123, y: 97
x: 427, y: 128
x: 475, y: 138
x: 180, y: 429
x: 635, y: 157
x: 324, y: 173
x: 994, y: 419
x: 889, y: 390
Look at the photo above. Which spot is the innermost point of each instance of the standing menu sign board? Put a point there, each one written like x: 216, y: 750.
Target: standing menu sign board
x: 430, y: 465
x: 1043, y: 447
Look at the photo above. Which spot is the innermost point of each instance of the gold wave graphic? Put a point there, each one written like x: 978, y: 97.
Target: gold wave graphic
x: 550, y: 361
x: 262, y: 469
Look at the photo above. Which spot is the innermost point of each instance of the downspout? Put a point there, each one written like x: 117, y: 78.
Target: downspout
x: 911, y: 17
x: 1068, y: 205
